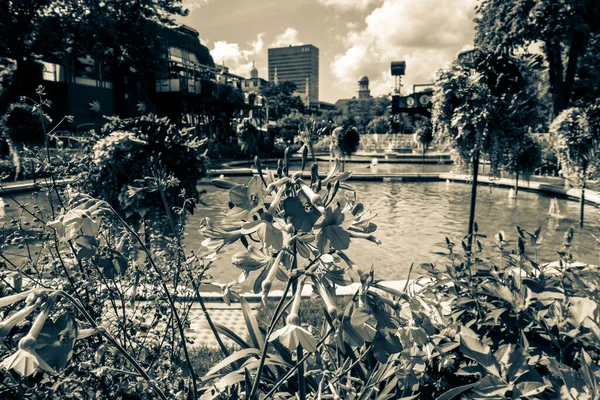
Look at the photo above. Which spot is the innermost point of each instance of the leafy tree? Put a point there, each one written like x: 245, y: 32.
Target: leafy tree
x: 523, y: 158
x: 378, y: 125
x: 480, y: 107
x: 576, y: 137
x: 290, y: 126
x: 345, y: 142
x: 563, y: 28
x: 20, y: 127
x: 281, y: 99
x: 424, y: 135
x: 29, y: 28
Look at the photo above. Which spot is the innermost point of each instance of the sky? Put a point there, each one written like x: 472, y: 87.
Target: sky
x: 354, y: 37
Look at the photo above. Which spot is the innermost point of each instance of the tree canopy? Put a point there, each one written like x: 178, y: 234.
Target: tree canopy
x: 281, y: 99
x: 562, y: 28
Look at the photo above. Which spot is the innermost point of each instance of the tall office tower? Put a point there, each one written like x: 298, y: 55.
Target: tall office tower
x: 298, y: 64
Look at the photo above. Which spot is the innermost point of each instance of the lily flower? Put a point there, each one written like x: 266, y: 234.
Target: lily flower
x: 266, y: 230
x: 252, y: 259
x: 332, y: 234
x: 246, y: 200
x: 212, y: 231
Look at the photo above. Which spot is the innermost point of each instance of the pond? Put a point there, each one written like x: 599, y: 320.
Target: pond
x: 412, y: 219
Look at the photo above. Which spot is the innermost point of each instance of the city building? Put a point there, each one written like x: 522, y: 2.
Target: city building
x: 351, y: 106
x: 253, y: 84
x: 297, y: 64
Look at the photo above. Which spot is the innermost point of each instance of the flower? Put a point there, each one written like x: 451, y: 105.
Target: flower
x: 332, y: 234
x: 292, y: 335
x: 266, y: 231
x: 212, y: 231
x: 252, y: 259
x: 75, y: 223
x: 303, y: 216
x: 246, y: 199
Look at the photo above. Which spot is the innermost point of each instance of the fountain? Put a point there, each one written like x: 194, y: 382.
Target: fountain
x: 554, y: 210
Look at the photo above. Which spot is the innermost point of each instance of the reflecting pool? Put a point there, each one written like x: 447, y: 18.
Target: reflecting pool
x: 412, y: 218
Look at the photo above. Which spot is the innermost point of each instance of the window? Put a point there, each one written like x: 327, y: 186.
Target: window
x: 89, y: 72
x: 53, y: 72
x: 246, y: 84
x: 255, y: 83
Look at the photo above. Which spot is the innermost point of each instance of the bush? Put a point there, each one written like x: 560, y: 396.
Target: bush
x: 132, y: 152
x: 346, y: 141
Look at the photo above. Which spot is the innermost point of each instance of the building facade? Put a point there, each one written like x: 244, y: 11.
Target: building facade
x: 297, y: 64
x: 185, y: 84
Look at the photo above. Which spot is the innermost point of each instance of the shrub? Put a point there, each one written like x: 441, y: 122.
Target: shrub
x: 129, y: 155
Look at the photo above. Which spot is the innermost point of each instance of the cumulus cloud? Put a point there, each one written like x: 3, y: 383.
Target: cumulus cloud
x: 427, y: 34
x: 349, y: 4
x: 288, y: 38
x: 237, y: 59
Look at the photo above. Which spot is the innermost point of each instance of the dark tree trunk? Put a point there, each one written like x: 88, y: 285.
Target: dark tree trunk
x: 581, y: 205
x: 473, y: 194
x: 517, y: 183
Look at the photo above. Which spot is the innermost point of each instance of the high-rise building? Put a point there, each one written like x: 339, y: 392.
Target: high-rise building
x: 298, y: 64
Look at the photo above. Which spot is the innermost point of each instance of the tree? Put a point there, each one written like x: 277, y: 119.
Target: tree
x: 378, y: 125
x: 281, y: 99
x: 480, y: 107
x: 29, y: 28
x: 575, y: 138
x: 122, y: 35
x: 345, y: 142
x: 523, y: 158
x: 563, y: 28
x: 424, y: 135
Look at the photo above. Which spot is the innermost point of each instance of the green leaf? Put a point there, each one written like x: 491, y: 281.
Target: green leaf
x: 452, y: 393
x: 238, y: 355
x: 473, y: 348
x: 491, y: 385
x: 232, y: 335
x: 253, y: 329
x: 527, y: 389
x: 581, y: 308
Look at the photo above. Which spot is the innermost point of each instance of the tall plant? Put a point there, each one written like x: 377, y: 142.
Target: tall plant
x: 575, y: 139
x: 477, y: 111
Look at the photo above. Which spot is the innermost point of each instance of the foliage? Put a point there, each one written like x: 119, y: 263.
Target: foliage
x: 281, y: 99
x: 132, y: 149
x: 290, y: 126
x: 345, y: 142
x: 92, y: 312
x: 21, y: 125
x: 575, y: 142
x: 524, y: 158
x: 563, y: 28
x: 424, y: 134
x: 254, y: 141
x: 482, y: 108
x: 378, y: 125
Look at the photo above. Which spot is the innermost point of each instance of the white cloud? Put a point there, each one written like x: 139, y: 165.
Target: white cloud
x: 192, y: 5
x: 238, y: 60
x: 427, y: 34
x: 288, y: 38
x: 349, y: 4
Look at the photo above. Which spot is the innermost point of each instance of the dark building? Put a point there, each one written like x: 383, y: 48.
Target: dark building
x: 185, y: 85
x: 298, y: 64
